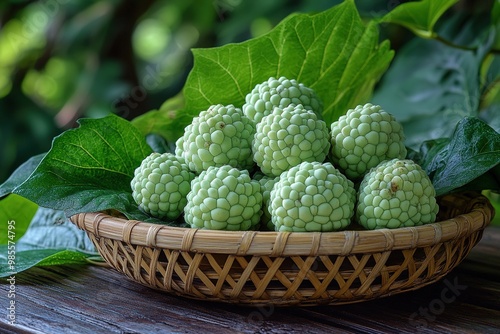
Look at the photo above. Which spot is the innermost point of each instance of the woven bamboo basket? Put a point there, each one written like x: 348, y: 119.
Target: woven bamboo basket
x: 280, y: 268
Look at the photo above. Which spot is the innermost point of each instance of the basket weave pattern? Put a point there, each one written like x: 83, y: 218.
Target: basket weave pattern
x: 282, y: 268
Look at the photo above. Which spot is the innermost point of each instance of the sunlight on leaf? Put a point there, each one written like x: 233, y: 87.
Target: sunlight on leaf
x: 41, y: 257
x: 419, y: 16
x: 19, y: 212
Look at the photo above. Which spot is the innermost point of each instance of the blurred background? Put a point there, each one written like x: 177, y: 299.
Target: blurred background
x: 62, y: 60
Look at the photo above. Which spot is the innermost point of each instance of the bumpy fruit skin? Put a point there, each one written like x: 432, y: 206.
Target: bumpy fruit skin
x: 312, y: 197
x: 218, y: 136
x: 287, y: 137
x: 160, y: 185
x: 280, y: 93
x: 364, y: 137
x: 396, y: 193
x: 266, y: 185
x: 224, y: 198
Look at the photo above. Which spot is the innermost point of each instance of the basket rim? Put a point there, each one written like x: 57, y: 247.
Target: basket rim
x: 271, y: 243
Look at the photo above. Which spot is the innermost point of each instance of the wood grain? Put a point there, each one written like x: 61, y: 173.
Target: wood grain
x: 93, y: 299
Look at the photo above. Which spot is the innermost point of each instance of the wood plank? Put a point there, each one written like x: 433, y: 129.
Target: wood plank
x: 93, y: 299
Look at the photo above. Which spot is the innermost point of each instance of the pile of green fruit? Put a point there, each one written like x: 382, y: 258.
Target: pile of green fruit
x: 275, y: 164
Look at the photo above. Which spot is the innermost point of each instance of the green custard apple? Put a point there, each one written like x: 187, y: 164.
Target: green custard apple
x: 280, y: 93
x: 312, y: 197
x: 160, y: 185
x: 218, y: 136
x: 287, y: 137
x: 396, y: 193
x: 224, y: 198
x: 364, y: 137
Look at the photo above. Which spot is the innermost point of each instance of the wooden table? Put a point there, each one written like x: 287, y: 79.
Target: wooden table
x: 93, y: 299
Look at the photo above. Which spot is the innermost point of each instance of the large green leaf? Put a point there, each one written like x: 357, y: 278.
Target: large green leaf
x: 40, y: 257
x: 50, y: 239
x: 333, y: 52
x: 51, y: 229
x: 419, y: 16
x: 88, y: 168
x: 471, y: 151
x: 487, y: 181
x: 20, y: 174
x: 18, y: 212
x: 430, y: 101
